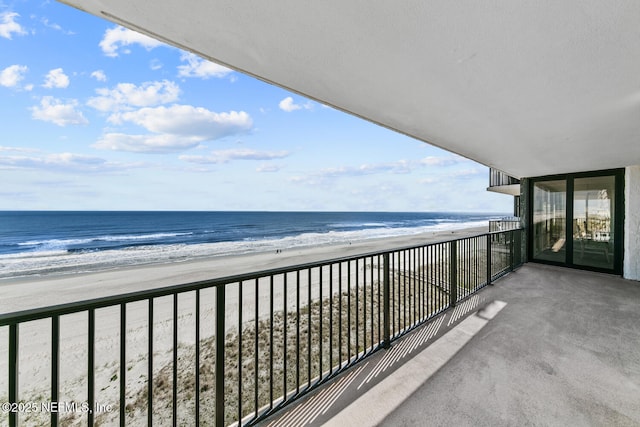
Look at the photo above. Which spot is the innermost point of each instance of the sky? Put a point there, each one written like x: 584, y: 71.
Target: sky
x: 98, y: 117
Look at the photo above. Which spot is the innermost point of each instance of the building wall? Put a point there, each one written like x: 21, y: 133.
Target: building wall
x: 631, y: 268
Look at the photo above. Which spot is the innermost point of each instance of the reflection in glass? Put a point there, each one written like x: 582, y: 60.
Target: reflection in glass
x: 593, y: 216
x: 549, y: 220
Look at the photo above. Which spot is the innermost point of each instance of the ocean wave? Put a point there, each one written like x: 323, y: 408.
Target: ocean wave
x: 80, y: 244
x: 361, y: 224
x: 46, y: 262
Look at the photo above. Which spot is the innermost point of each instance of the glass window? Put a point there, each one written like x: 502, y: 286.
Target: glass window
x: 593, y: 221
x: 549, y: 220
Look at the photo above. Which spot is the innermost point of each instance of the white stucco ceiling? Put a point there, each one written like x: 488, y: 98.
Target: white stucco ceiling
x: 528, y: 87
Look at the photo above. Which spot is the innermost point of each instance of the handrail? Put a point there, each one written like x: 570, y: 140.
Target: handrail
x: 336, y: 312
x: 83, y: 305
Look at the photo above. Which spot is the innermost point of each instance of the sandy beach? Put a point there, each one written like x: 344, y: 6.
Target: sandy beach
x: 32, y: 292
x: 35, y: 340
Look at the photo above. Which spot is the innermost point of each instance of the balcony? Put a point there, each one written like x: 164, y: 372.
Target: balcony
x: 500, y: 182
x: 235, y: 349
x: 563, y: 350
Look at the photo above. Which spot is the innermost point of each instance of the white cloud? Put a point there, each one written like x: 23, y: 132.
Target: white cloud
x: 268, y: 168
x: 442, y: 161
x: 56, y: 79
x: 64, y: 162
x: 397, y: 167
x: 198, y: 67
x: 99, y: 75
x: 55, y: 111
x: 118, y: 37
x: 175, y: 128
x: 224, y: 156
x: 54, y: 26
x: 429, y: 181
x: 12, y: 75
x: 163, y: 143
x: 9, y: 26
x: 467, y: 173
x: 127, y: 95
x: 288, y: 105
x: 155, y: 64
x: 187, y: 120
x: 18, y: 149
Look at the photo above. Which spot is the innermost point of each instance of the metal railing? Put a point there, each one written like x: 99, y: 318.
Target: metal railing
x: 504, y: 224
x: 235, y: 349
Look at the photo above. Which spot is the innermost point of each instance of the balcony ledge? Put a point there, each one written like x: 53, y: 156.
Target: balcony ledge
x: 513, y: 189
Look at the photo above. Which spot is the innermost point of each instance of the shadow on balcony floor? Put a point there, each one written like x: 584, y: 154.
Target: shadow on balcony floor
x: 564, y: 350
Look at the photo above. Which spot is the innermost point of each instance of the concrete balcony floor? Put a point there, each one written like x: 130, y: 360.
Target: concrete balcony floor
x: 564, y: 350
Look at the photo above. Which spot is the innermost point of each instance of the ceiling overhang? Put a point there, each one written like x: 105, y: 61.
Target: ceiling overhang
x: 530, y: 88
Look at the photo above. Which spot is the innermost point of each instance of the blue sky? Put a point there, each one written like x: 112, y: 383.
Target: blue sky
x: 97, y: 117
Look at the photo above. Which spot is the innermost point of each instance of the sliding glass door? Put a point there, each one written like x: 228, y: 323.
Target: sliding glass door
x: 575, y: 220
x: 594, y: 221
x: 550, y: 220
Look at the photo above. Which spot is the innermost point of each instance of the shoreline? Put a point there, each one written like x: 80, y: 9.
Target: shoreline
x: 29, y: 292
x: 35, y: 357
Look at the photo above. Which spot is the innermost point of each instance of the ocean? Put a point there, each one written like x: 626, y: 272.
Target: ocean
x: 37, y: 243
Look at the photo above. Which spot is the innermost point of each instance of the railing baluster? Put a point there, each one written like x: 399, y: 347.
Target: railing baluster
x: 220, y: 356
x: 174, y: 402
x: 431, y: 300
x: 422, y: 262
x: 91, y: 363
x: 372, y: 288
x: 297, y: 331
x: 256, y: 349
x: 340, y: 313
x: 440, y: 275
x: 197, y: 361
x: 357, y: 323
x: 55, y: 365
x: 511, y: 251
x: 284, y: 358
x: 518, y: 246
x: 14, y: 341
x: 150, y: 366
x: 380, y: 285
x: 453, y: 273
x: 387, y: 302
x: 414, y: 280
x: 488, y: 259
x: 271, y: 342
x: 330, y: 319
x: 405, y: 296
x: 240, y: 400
x: 320, y: 323
x: 397, y: 284
x: 364, y: 306
x: 309, y: 328
x: 123, y: 362
x: 349, y: 311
